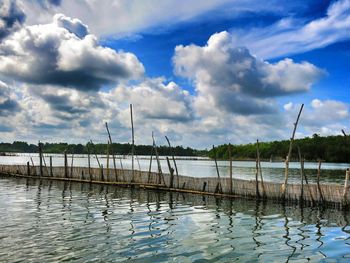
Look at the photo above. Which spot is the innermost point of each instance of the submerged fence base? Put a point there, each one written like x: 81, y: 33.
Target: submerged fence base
x: 326, y: 195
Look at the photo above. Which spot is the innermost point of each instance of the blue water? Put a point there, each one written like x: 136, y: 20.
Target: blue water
x: 48, y: 221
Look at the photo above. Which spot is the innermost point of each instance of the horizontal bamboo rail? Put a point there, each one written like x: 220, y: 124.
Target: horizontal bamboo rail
x: 332, y: 194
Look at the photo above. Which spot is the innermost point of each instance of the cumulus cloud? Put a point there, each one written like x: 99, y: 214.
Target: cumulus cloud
x: 154, y: 99
x: 289, y: 36
x: 11, y: 17
x: 232, y: 79
x: 62, y: 54
x: 8, y: 103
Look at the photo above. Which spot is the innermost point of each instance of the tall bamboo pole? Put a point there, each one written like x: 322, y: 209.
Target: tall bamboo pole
x: 284, y: 186
x: 346, y: 186
x: 150, y: 166
x: 107, y: 163
x: 40, y: 159
x: 160, y: 173
x: 320, y: 195
x: 132, y: 144
x: 230, y: 160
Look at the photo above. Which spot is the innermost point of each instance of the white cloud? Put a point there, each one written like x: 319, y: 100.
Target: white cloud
x: 290, y: 36
x: 231, y: 79
x: 53, y: 54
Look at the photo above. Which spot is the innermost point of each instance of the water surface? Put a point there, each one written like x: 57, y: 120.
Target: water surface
x: 46, y: 221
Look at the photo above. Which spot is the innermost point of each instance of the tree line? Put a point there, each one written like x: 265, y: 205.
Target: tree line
x: 329, y: 149
x: 100, y: 148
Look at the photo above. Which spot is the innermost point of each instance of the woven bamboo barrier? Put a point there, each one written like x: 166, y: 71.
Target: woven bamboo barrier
x: 332, y: 194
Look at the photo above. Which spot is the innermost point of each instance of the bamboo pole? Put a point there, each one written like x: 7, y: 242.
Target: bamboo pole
x: 160, y: 173
x: 260, y: 170
x: 107, y: 164
x: 28, y: 169
x: 51, y: 173
x: 132, y: 144
x: 40, y: 159
x: 257, y: 178
x: 65, y: 164
x: 230, y: 160
x: 319, y: 191
x: 171, y: 171
x: 113, y: 155
x: 150, y: 166
x: 89, y: 162
x: 172, y: 152
x: 301, y: 160
x: 284, y: 186
x: 71, y: 164
x: 98, y: 161
x: 346, y: 187
x: 219, y: 186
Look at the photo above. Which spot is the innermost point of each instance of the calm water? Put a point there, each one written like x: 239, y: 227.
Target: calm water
x: 46, y: 221
x: 331, y: 172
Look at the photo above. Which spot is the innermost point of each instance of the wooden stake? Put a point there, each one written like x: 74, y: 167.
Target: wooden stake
x: 150, y: 166
x: 51, y: 173
x: 218, y: 187
x: 260, y: 170
x: 257, y: 178
x: 171, y: 171
x: 172, y: 152
x: 40, y: 159
x: 98, y: 162
x: 28, y: 169
x: 160, y: 173
x: 132, y: 144
x: 113, y: 155
x: 230, y: 160
x: 346, y: 186
x: 107, y: 164
x: 284, y: 186
x: 71, y: 164
x: 89, y: 162
x: 301, y: 160
x: 319, y: 192
x: 65, y: 165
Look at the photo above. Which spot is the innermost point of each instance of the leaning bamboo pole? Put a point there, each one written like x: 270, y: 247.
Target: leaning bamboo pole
x: 172, y: 153
x: 319, y: 191
x: 218, y: 186
x: 230, y: 160
x: 346, y: 187
x: 284, y: 185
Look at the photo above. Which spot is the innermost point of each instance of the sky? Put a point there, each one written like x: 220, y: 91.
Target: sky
x: 200, y: 72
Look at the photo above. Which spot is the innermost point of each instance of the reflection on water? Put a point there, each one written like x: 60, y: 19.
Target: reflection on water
x: 45, y: 221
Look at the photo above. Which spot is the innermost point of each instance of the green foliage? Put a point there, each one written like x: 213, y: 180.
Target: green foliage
x: 330, y: 149
x: 117, y: 148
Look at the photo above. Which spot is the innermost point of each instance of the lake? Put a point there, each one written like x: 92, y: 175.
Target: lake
x: 331, y: 172
x: 51, y: 221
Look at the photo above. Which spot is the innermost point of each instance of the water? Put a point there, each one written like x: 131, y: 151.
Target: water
x: 47, y: 221
x: 331, y: 172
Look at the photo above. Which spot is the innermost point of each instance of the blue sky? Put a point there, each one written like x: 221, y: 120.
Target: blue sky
x: 202, y: 73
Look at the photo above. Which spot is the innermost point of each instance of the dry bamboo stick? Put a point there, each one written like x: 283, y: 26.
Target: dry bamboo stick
x: 230, y: 160
x: 219, y: 186
x: 71, y: 165
x: 284, y: 186
x: 260, y: 170
x: 150, y: 166
x: 257, y: 178
x: 319, y: 191
x: 113, y: 155
x: 346, y: 187
x: 41, y: 159
x: 132, y: 144
x: 177, y: 173
x: 160, y: 173
x: 98, y: 162
x: 171, y: 171
x: 107, y: 163
x: 301, y: 175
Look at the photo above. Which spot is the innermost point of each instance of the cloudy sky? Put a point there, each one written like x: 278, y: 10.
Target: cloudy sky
x: 200, y: 72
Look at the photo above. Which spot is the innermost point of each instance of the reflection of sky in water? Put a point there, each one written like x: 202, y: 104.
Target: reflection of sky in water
x: 47, y: 221
x: 331, y: 172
